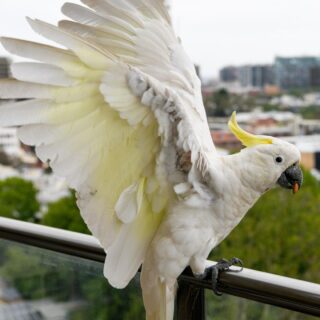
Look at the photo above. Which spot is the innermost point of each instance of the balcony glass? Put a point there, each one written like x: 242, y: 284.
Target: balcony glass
x: 37, y: 284
x: 233, y: 308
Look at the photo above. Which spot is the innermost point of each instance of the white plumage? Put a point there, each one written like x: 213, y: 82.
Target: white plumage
x: 119, y: 114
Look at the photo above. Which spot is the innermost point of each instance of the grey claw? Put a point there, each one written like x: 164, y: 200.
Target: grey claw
x: 215, y: 270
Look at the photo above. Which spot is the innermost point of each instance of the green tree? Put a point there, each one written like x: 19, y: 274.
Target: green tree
x: 24, y: 270
x: 18, y: 199
x: 310, y: 112
x: 64, y: 214
x: 222, y: 102
x: 107, y: 303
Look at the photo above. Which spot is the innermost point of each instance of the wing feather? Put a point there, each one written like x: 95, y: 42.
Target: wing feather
x: 104, y: 115
x: 117, y: 9
x: 50, y: 55
x: 12, y: 89
x: 41, y: 73
x: 93, y: 18
x: 93, y: 56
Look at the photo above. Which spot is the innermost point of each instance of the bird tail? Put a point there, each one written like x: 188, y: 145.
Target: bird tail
x: 158, y: 296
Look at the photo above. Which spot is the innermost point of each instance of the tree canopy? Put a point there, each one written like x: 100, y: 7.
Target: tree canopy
x: 64, y: 214
x: 18, y: 199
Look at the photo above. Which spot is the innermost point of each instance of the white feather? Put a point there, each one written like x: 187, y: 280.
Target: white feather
x: 97, y: 213
x: 12, y: 89
x: 37, y: 51
x: 97, y: 23
x: 127, y: 208
x: 25, y: 112
x: 128, y: 250
x: 41, y: 73
x: 44, y: 134
x: 36, y: 134
x: 113, y: 111
x: 89, y: 53
x: 115, y: 9
x: 86, y: 16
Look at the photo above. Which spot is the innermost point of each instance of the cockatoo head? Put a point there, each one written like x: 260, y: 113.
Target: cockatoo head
x: 272, y: 161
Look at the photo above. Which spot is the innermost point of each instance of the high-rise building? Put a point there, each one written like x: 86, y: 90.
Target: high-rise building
x: 228, y: 74
x: 257, y: 76
x: 315, y: 76
x: 4, y: 67
x: 297, y: 72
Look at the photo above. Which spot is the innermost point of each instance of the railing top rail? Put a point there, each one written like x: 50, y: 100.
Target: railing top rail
x: 264, y: 287
x: 63, y: 241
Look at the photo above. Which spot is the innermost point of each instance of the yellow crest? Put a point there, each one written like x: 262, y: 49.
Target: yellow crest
x: 246, y: 138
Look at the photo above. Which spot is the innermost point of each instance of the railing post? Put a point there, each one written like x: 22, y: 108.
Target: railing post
x: 190, y: 302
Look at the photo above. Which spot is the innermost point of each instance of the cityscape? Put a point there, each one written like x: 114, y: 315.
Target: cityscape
x: 284, y: 74
x: 280, y: 99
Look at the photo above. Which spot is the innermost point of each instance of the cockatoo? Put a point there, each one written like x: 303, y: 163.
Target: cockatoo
x: 119, y: 114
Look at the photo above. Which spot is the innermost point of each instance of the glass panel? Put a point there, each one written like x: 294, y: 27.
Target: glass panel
x: 37, y: 284
x: 228, y: 307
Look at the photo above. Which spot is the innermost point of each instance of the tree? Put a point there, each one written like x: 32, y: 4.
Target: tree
x: 108, y: 303
x: 64, y: 214
x: 18, y: 199
x: 222, y: 103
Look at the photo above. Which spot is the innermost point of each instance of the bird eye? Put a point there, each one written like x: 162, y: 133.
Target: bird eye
x: 279, y: 159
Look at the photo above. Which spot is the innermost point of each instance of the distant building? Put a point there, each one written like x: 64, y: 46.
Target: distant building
x: 272, y: 123
x: 312, y: 98
x: 271, y: 90
x: 297, y: 72
x: 288, y: 101
x: 262, y: 123
x: 4, y: 68
x: 228, y: 74
x: 13, y: 307
x: 310, y: 127
x: 9, y: 141
x: 256, y: 75
x: 309, y: 147
x: 225, y: 140
x: 315, y: 76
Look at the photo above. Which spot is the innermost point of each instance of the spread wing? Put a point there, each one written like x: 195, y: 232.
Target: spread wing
x: 118, y: 113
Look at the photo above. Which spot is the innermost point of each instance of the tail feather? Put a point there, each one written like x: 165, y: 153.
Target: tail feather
x: 158, y: 296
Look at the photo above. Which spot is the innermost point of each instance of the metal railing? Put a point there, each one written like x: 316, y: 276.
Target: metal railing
x: 263, y: 287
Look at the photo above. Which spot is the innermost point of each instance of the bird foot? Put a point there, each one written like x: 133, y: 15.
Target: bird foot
x: 214, y: 271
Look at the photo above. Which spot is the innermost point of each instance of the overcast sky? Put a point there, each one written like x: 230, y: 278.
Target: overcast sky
x: 214, y: 33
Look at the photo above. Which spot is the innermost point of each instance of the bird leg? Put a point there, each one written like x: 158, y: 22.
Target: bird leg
x: 214, y: 271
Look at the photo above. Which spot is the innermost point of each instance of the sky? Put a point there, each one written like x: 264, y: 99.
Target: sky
x: 214, y: 33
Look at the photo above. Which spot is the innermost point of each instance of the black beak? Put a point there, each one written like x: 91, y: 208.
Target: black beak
x: 292, y: 178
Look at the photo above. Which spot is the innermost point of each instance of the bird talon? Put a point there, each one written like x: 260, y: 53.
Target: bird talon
x: 236, y: 262
x: 222, y: 265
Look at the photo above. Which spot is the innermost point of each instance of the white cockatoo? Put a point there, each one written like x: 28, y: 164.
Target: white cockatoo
x: 119, y: 114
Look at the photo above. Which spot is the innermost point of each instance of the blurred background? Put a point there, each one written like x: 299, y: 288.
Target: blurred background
x: 259, y: 58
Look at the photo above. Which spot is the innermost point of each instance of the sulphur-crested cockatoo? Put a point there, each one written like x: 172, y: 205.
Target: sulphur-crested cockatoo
x: 119, y: 114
